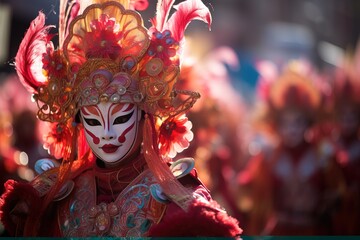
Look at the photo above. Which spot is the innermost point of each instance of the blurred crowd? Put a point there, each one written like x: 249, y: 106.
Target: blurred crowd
x: 289, y: 163
x: 283, y: 157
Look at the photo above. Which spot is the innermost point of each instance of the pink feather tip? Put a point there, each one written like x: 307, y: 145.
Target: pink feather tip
x: 28, y: 60
x: 186, y: 12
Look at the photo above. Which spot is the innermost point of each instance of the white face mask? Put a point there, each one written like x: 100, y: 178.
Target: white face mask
x: 111, y: 129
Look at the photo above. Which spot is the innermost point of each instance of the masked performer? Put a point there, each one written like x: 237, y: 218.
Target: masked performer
x: 108, y: 90
x: 346, y: 115
x: 291, y: 187
x: 216, y: 119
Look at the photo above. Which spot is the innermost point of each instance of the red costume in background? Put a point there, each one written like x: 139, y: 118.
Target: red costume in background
x: 292, y: 192
x: 291, y: 188
x: 345, y: 111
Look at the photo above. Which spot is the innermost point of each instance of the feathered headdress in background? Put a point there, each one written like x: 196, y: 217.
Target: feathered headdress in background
x: 294, y: 88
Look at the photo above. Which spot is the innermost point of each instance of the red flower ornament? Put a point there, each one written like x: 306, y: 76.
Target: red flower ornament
x: 104, y: 38
x: 175, y: 135
x: 57, y: 141
x: 163, y: 46
x: 54, y: 64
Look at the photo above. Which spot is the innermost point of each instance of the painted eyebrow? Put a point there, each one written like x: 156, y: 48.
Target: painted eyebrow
x: 119, y: 107
x: 86, y: 111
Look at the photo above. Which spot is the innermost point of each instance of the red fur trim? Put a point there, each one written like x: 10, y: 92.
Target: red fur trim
x: 14, y: 193
x: 201, y: 219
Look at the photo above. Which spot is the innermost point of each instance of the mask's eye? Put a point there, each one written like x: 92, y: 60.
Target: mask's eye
x: 92, y: 122
x: 123, y: 119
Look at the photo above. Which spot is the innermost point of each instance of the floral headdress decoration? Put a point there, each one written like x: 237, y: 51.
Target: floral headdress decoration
x: 106, y: 54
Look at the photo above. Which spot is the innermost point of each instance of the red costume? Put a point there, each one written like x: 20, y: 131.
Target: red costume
x: 107, y: 63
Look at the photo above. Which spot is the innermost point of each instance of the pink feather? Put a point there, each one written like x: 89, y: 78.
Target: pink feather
x: 163, y: 8
x: 186, y: 12
x: 28, y: 60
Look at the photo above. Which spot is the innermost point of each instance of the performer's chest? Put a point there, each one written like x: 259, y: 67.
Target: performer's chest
x: 131, y: 214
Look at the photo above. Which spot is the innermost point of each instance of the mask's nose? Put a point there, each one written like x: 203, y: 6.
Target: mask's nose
x: 108, y: 134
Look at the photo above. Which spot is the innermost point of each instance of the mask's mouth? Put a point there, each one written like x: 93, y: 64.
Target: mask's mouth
x: 110, y: 148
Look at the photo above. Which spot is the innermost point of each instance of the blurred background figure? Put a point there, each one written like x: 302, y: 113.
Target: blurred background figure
x: 20, y: 136
x: 345, y: 113
x: 7, y: 166
x: 22, y: 142
x: 292, y: 186
x: 216, y: 119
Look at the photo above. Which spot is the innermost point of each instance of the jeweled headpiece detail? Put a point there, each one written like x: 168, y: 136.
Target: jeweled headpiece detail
x: 106, y: 54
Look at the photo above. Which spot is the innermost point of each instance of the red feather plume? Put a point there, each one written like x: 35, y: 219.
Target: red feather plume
x: 28, y: 60
x: 186, y: 12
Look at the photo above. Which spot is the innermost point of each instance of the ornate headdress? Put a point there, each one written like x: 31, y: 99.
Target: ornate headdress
x: 106, y: 54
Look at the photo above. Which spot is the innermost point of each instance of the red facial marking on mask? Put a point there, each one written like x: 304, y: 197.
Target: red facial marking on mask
x: 89, y: 110
x: 131, y: 106
x: 117, y: 108
x: 122, y: 137
x: 96, y: 140
x: 120, y: 107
